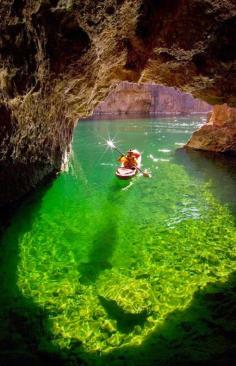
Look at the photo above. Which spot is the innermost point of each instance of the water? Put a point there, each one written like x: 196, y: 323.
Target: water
x: 124, y: 273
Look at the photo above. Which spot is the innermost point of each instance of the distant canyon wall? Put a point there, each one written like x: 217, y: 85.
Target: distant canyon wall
x: 130, y: 98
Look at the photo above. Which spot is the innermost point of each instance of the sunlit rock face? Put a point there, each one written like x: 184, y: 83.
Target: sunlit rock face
x: 127, y: 98
x: 149, y: 99
x: 59, y: 58
x: 219, y: 134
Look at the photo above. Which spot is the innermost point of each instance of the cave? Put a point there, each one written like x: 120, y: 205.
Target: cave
x: 96, y: 271
x: 59, y: 59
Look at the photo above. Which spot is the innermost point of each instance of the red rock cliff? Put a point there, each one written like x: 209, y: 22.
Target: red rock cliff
x: 219, y: 134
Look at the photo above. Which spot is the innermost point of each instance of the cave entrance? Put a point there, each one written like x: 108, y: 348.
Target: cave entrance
x: 154, y: 107
x: 150, y: 117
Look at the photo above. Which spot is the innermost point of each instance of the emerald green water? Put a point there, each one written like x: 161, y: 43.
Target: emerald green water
x: 124, y: 273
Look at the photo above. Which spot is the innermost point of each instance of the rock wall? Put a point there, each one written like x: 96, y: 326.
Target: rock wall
x: 59, y: 58
x: 125, y: 99
x: 219, y: 134
x: 149, y: 99
x: 171, y: 101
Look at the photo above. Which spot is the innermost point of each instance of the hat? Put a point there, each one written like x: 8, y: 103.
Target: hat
x: 136, y: 153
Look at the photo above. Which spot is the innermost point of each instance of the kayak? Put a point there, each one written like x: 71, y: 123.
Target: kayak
x: 127, y: 173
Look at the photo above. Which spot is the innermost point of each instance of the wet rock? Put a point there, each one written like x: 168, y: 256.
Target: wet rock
x: 219, y: 134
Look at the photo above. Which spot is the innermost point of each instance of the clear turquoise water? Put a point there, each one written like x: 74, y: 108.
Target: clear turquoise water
x: 125, y: 273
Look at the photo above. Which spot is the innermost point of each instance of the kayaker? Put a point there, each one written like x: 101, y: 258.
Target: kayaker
x: 129, y: 161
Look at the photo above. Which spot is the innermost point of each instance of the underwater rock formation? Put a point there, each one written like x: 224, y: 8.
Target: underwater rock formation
x: 150, y: 99
x: 59, y: 58
x: 219, y: 134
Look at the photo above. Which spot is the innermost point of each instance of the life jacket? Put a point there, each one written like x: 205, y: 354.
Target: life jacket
x: 129, y: 162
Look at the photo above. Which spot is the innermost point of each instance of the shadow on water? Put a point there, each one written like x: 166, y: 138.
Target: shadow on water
x: 125, y: 321
x: 202, y: 334
x: 25, y: 333
x: 25, y: 337
x: 217, y: 169
x: 102, y: 248
x: 105, y: 239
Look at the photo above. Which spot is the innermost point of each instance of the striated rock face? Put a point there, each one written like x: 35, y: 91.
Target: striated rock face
x: 223, y: 115
x: 125, y: 99
x: 59, y: 58
x: 171, y: 101
x: 219, y: 134
x: 150, y: 99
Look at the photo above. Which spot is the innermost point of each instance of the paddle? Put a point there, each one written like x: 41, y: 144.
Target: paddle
x: 110, y: 143
x: 145, y: 174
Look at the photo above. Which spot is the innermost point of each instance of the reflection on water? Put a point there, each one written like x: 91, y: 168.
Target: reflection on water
x: 218, y: 169
x: 114, y: 273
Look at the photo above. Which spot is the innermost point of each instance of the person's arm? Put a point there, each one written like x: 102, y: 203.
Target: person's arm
x: 134, y: 161
x: 121, y: 158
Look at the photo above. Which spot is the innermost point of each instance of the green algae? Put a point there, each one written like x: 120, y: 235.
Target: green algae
x: 109, y: 263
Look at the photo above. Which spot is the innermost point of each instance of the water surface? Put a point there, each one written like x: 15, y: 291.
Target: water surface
x: 125, y: 273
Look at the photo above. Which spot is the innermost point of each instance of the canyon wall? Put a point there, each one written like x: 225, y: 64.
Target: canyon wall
x: 127, y: 98
x: 149, y: 99
x: 170, y: 100
x: 60, y: 58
